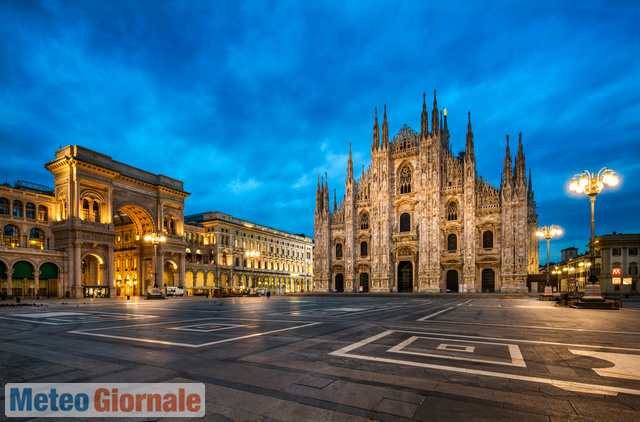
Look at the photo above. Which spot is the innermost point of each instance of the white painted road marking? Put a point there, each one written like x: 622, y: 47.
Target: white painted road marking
x: 624, y: 365
x: 434, y: 314
x: 565, y: 385
x: 514, y: 352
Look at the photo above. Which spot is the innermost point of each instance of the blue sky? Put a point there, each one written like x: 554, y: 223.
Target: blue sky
x: 248, y: 101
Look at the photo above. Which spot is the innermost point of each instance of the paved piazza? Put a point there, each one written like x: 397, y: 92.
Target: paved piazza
x: 313, y: 358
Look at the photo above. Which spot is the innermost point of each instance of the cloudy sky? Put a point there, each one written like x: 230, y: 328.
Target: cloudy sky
x: 248, y: 101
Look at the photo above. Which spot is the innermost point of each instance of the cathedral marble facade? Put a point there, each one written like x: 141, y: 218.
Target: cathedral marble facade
x: 421, y: 219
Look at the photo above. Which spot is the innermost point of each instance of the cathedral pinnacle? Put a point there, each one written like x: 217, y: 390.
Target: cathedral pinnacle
x: 424, y: 120
x: 507, y: 165
x: 520, y: 171
x: 385, y: 129
x: 350, y: 165
x: 376, y: 132
x: 469, y: 146
x: 434, y: 115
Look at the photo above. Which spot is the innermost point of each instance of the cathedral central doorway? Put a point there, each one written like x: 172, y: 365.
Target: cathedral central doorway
x: 452, y: 281
x: 405, y: 277
x: 364, y: 282
x: 488, y: 281
x: 339, y: 283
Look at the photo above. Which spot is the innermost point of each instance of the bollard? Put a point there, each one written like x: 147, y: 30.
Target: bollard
x: 128, y: 297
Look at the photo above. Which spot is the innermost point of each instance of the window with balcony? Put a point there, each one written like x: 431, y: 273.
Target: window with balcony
x: 364, y: 250
x: 487, y: 239
x: 452, y: 242
x: 405, y: 222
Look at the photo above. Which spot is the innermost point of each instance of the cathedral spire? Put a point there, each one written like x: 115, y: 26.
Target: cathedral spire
x: 350, y: 165
x: 506, y: 173
x: 335, y: 202
x: 318, y: 197
x: 385, y: 129
x: 376, y: 132
x: 434, y: 115
x: 520, y: 171
x: 530, y: 189
x: 424, y: 118
x: 469, y: 147
x: 325, y: 194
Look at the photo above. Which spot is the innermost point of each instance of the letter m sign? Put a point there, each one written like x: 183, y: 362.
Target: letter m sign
x: 616, y: 271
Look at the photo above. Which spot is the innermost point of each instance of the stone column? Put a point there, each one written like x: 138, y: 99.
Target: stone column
x: 60, y: 284
x: 36, y: 282
x: 160, y: 268
x: 182, y: 271
x: 111, y: 282
x: 76, y: 279
x: 10, y: 282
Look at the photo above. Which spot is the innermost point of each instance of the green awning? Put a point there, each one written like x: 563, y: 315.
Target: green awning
x: 48, y: 271
x: 22, y: 269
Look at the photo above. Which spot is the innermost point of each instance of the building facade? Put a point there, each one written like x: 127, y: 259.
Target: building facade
x: 421, y: 219
x: 236, y: 255
x: 615, y: 250
x: 86, y: 237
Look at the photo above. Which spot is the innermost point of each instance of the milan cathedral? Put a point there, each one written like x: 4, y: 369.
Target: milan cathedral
x: 421, y: 219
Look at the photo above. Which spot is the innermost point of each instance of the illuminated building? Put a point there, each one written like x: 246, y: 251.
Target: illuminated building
x: 86, y: 237
x: 421, y: 219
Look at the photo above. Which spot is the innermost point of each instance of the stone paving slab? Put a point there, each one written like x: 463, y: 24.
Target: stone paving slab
x: 295, y: 375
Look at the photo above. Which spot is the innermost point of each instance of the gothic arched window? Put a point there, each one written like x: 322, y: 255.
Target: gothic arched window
x: 487, y: 239
x: 364, y: 249
x: 405, y: 222
x: 452, y: 242
x: 452, y: 211
x: 339, y: 250
x: 364, y: 221
x: 405, y: 179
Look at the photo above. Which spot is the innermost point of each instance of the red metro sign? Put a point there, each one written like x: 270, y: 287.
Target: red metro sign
x: 616, y: 271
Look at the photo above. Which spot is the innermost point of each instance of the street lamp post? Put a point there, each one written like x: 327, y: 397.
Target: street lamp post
x: 155, y: 239
x: 591, y: 184
x: 548, y: 233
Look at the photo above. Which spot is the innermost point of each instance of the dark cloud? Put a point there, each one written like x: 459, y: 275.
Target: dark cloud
x: 247, y: 102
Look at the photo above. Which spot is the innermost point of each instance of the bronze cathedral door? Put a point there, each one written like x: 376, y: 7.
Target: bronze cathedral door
x: 405, y: 277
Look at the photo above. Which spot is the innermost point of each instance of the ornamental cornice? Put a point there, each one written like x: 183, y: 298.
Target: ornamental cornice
x: 404, y: 249
x: 406, y: 198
